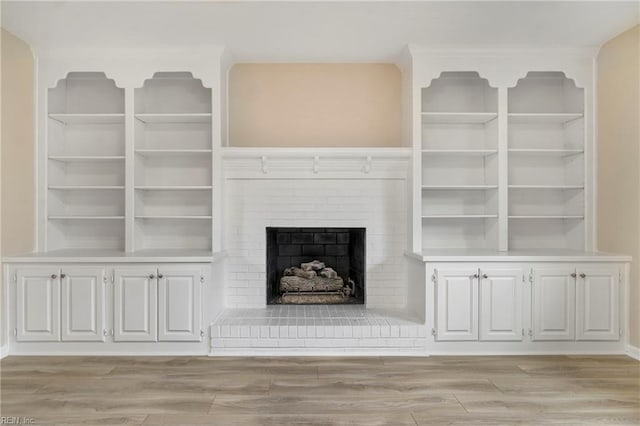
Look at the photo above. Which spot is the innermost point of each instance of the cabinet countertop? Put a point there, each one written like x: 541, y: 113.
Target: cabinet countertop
x: 115, y: 256
x: 542, y: 255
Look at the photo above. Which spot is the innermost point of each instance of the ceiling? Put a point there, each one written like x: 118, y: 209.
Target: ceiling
x: 307, y: 31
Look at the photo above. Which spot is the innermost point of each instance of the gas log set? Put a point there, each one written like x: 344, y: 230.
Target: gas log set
x: 314, y: 282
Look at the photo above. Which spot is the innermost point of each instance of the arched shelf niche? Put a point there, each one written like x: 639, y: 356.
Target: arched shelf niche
x: 547, y: 176
x: 85, y: 164
x: 173, y: 163
x: 459, y: 146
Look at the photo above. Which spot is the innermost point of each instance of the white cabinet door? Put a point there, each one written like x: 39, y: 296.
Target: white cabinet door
x: 83, y: 303
x: 457, y: 304
x: 135, y: 313
x: 500, y: 304
x: 554, y: 303
x: 38, y: 304
x: 597, y: 301
x: 179, y: 313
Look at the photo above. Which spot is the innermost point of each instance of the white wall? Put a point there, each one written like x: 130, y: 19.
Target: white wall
x: 619, y: 158
x: 251, y: 205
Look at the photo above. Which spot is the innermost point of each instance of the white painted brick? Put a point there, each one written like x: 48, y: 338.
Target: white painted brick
x: 254, y: 331
x: 264, y: 331
x: 395, y: 331
x: 274, y: 332
x: 284, y: 332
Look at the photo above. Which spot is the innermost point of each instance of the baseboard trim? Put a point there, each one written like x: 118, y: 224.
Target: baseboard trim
x: 633, y: 352
x: 324, y: 352
x: 4, y: 351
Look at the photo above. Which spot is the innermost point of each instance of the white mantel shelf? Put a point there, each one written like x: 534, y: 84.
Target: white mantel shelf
x: 114, y: 256
x: 311, y: 152
x: 550, y: 255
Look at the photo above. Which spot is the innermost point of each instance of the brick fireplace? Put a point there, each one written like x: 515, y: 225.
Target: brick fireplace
x: 342, y: 250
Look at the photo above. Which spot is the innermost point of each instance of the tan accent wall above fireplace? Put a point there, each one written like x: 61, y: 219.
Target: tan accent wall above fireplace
x: 315, y: 105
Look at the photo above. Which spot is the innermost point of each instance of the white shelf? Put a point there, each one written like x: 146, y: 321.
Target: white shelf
x: 86, y: 158
x: 80, y: 187
x: 551, y: 117
x: 460, y: 152
x: 546, y: 152
x: 172, y: 152
x: 459, y: 187
x: 458, y: 117
x: 546, y: 217
x: 86, y: 217
x: 461, y: 216
x: 172, y: 188
x: 559, y: 187
x: 88, y: 118
x: 179, y: 217
x: 174, y: 117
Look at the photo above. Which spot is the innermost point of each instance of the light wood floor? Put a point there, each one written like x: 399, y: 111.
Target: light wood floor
x: 322, y: 391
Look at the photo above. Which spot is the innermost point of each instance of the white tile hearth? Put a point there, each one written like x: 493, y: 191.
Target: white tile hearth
x: 312, y: 329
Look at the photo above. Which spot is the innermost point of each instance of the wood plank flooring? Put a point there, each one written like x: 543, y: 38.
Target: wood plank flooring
x: 529, y: 390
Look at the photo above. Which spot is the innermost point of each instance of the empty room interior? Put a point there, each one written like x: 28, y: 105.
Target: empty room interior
x: 320, y: 212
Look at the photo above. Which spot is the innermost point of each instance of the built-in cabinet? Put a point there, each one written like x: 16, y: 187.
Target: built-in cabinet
x: 147, y: 303
x: 547, y: 302
x: 578, y: 302
x: 475, y: 303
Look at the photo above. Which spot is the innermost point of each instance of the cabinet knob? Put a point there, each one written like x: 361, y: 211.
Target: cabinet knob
x: 485, y: 276
x: 63, y: 275
x: 160, y: 275
x: 573, y: 275
x: 476, y: 276
x: 151, y: 276
x: 54, y: 276
x: 583, y: 275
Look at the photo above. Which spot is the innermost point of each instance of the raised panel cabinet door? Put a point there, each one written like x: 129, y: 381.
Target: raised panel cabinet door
x: 135, y: 305
x: 179, y: 300
x: 500, y: 304
x: 597, y: 302
x: 83, y: 303
x: 38, y: 304
x: 554, y: 303
x: 457, y: 304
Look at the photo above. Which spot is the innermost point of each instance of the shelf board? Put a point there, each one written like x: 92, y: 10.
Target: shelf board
x: 86, y: 158
x: 83, y: 187
x: 173, y: 188
x: 543, y: 117
x: 546, y: 217
x: 171, y: 152
x: 174, y: 217
x: 204, y: 117
x: 86, y: 217
x: 458, y: 117
x: 546, y: 152
x: 461, y: 152
x: 460, y: 216
x: 464, y: 187
x: 546, y: 186
x: 88, y: 118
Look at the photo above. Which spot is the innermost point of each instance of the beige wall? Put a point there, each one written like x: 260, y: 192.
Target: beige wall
x: 315, y: 105
x: 619, y: 157
x: 17, y: 191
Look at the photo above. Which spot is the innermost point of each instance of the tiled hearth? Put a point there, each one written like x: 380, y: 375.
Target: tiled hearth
x: 316, y: 329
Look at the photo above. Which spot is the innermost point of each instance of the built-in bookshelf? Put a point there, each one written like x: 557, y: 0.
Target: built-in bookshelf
x: 99, y: 179
x: 459, y: 162
x: 173, y: 163
x: 546, y: 162
x: 85, y: 195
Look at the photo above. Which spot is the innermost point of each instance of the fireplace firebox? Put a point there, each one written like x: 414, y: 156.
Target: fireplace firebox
x: 316, y: 265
